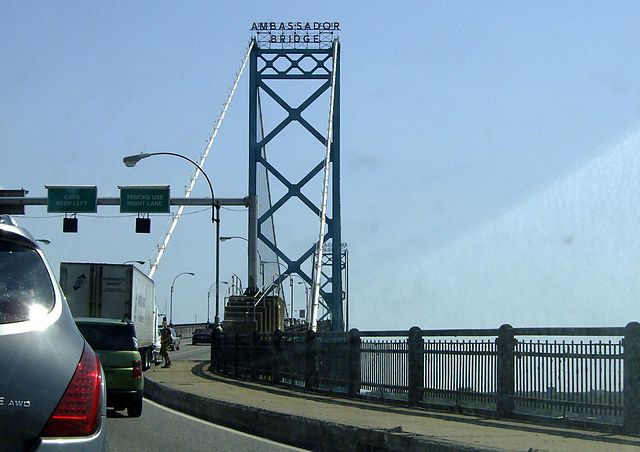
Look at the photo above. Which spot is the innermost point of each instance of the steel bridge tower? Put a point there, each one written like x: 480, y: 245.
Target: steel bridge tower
x: 273, y: 72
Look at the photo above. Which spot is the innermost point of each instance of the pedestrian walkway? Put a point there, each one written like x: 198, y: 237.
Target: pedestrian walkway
x: 329, y: 423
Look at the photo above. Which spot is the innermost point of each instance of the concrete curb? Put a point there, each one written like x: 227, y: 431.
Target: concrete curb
x: 297, y: 431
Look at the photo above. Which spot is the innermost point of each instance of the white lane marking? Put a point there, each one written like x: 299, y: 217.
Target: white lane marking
x: 221, y: 427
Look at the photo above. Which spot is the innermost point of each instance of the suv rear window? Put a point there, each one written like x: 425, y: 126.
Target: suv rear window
x: 25, y: 286
x: 104, y: 336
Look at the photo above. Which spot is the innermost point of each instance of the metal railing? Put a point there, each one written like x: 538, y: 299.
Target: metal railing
x: 262, y: 294
x: 185, y: 330
x: 572, y: 376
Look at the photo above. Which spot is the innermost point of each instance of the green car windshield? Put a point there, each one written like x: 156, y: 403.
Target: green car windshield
x: 107, y: 337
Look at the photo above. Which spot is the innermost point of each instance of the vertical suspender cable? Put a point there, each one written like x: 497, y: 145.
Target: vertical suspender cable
x: 189, y: 188
x: 269, y: 203
x: 325, y: 194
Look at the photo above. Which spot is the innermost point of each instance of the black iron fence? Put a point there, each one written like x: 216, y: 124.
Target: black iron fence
x: 576, y: 376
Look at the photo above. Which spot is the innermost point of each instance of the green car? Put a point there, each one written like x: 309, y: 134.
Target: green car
x: 115, y: 342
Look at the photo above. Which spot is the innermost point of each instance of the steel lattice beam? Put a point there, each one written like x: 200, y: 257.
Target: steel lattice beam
x: 295, y: 64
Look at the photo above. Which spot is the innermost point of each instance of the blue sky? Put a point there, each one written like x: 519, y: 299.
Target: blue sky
x: 481, y: 141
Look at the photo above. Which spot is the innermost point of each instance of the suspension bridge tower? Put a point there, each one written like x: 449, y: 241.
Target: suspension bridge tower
x: 294, y: 162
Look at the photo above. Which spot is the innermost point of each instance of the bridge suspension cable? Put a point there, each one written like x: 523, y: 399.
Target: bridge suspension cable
x: 162, y: 246
x: 270, y: 264
x: 325, y: 194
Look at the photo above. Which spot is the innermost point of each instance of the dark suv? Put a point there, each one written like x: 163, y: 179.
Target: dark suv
x: 116, y: 344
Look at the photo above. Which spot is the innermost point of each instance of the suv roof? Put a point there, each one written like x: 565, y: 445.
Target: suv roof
x: 11, y: 231
x: 8, y: 219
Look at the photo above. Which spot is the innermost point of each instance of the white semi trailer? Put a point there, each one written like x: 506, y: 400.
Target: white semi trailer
x: 114, y: 291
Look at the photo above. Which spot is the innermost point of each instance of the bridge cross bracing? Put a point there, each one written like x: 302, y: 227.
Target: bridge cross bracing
x: 272, y: 73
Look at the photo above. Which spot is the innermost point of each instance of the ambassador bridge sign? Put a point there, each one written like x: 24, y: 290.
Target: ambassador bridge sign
x: 295, y: 34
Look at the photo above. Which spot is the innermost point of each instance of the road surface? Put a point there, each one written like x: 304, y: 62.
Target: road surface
x: 161, y: 428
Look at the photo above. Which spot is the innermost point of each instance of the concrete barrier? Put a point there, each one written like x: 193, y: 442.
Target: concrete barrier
x: 297, y: 431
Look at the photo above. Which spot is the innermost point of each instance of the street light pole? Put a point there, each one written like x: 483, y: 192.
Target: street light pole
x: 292, y: 291
x: 171, y: 302
x: 217, y: 319
x: 231, y: 237
x: 131, y: 161
x: 209, y: 296
x: 291, y: 284
x: 306, y: 297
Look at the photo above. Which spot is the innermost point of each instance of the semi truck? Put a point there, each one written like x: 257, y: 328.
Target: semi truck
x: 114, y: 291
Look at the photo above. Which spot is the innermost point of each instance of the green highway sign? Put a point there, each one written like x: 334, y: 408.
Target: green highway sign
x: 72, y: 199
x: 144, y: 199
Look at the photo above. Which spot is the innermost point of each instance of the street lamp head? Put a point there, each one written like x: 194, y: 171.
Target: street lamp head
x: 171, y: 302
x: 131, y: 160
x: 179, y: 275
x: 225, y: 238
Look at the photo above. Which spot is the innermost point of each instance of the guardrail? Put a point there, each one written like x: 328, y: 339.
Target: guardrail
x: 185, y: 330
x: 587, y: 377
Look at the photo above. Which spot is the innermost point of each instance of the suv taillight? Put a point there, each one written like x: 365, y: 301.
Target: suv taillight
x: 78, y: 411
x: 137, y: 370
